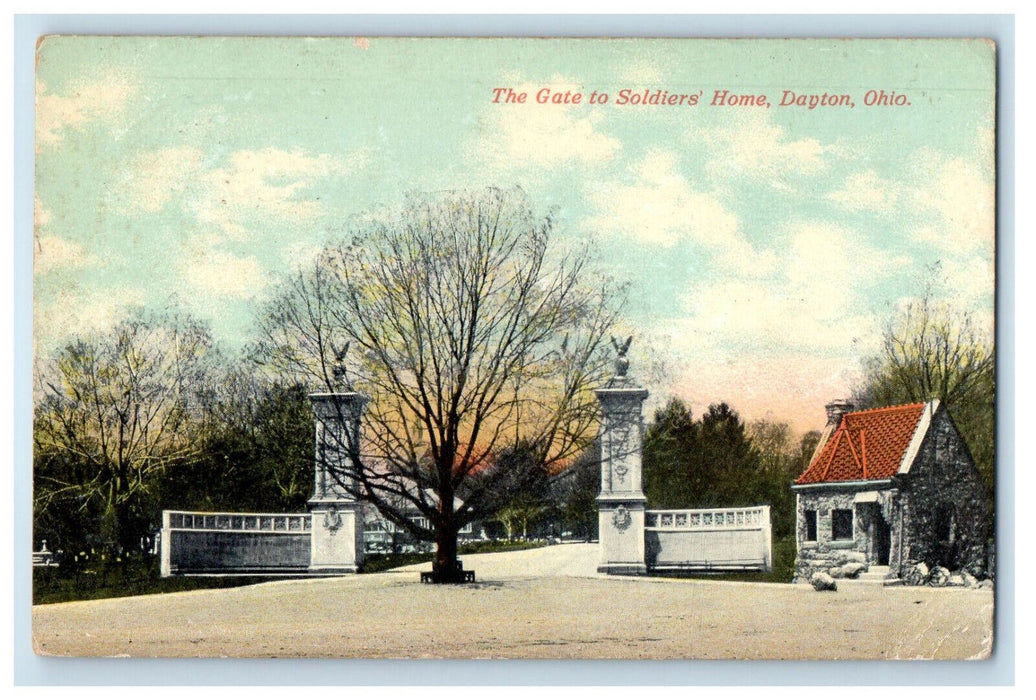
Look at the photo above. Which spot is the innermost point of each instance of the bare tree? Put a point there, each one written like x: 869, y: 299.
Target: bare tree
x: 469, y: 333
x: 931, y: 351
x: 115, y: 409
x: 934, y: 351
x: 773, y: 440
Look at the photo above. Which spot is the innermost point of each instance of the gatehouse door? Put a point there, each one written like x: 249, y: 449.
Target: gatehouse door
x: 882, y: 539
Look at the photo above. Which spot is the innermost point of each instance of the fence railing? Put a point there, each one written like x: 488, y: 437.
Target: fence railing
x: 237, y: 522
x: 709, y: 539
x: 752, y: 518
x: 44, y: 557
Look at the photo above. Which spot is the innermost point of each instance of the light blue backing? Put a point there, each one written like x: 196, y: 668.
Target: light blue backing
x: 30, y: 669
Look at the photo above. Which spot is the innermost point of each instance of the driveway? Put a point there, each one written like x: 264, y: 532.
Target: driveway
x: 546, y: 603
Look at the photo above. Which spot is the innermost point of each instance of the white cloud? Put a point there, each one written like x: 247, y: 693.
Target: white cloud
x: 866, y: 191
x: 778, y: 316
x: 985, y: 144
x: 750, y: 145
x: 782, y: 345
x: 826, y: 263
x: 543, y: 135
x: 300, y: 253
x: 73, y: 312
x: 154, y: 177
x: 52, y: 252
x: 41, y: 215
x: 266, y: 185
x: 57, y: 253
x: 661, y: 207
x: 947, y: 203
x: 222, y: 274
x: 966, y: 283
x: 102, y: 100
x: 963, y: 199
x: 809, y: 305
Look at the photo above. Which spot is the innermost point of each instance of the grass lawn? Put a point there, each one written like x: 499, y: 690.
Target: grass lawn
x: 140, y: 576
x: 136, y: 577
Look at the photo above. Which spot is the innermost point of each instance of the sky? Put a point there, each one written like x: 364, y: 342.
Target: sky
x: 765, y: 247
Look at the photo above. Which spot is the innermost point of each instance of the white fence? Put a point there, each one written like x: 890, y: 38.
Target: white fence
x: 44, y: 557
x: 237, y: 522
x: 709, y: 539
x: 229, y: 543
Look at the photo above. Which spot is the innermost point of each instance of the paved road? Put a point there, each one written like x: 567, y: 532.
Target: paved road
x: 546, y: 603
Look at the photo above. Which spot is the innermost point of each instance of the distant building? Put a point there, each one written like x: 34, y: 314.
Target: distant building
x: 890, y: 487
x: 381, y: 535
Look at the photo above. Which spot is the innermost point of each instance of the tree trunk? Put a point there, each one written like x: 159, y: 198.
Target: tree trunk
x: 446, y: 554
x: 445, y: 568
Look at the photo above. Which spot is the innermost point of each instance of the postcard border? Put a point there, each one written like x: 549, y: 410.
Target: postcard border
x: 33, y: 670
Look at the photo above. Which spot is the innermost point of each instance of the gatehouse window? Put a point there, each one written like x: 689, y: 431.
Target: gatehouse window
x: 810, y: 517
x: 841, y: 524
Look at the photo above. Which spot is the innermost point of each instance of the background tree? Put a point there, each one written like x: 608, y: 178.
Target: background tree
x: 933, y: 351
x: 673, y: 477
x: 779, y: 465
x: 729, y: 460
x: 256, y: 450
x: 470, y: 334
x: 717, y: 461
x: 114, y: 411
x: 698, y: 464
x: 523, y: 488
x: 804, y: 452
x: 709, y: 463
x: 574, y: 491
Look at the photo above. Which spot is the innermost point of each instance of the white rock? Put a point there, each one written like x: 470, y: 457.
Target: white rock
x: 823, y: 582
x: 916, y: 575
x: 853, y: 569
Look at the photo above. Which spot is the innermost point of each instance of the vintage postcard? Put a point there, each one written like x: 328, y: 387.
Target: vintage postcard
x: 514, y: 348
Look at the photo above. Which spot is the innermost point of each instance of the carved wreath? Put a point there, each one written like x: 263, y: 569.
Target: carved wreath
x: 332, y: 520
x: 622, y: 518
x: 618, y: 448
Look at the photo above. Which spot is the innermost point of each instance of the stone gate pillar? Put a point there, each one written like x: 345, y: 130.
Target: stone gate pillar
x: 337, y: 519
x: 620, y: 506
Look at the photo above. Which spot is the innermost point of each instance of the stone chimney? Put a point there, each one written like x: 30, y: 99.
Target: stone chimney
x: 835, y: 410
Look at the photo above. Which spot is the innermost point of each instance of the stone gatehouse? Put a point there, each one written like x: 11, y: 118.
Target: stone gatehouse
x: 890, y: 487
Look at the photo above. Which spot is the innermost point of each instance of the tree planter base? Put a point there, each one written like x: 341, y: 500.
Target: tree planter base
x: 457, y: 574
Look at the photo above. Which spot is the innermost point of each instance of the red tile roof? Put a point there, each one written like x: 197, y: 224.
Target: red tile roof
x: 868, y: 446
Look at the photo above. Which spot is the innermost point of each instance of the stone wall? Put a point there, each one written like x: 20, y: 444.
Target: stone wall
x: 824, y: 552
x: 709, y: 538
x: 944, y: 477
x: 706, y: 550
x: 203, y: 551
